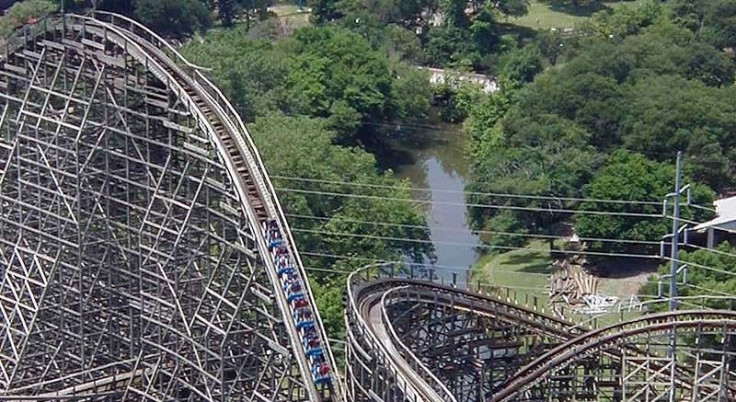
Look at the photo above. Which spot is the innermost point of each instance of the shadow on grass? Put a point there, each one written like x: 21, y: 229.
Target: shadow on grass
x: 533, y: 262
x: 540, y: 268
x: 576, y: 11
x: 520, y: 32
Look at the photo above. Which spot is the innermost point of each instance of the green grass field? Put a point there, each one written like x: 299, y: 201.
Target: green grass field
x: 526, y: 270
x: 545, y: 15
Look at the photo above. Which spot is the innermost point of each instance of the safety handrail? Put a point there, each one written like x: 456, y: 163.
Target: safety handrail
x: 354, y: 279
x: 415, y: 363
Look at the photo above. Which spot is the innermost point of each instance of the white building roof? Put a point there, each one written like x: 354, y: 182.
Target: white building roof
x: 725, y: 214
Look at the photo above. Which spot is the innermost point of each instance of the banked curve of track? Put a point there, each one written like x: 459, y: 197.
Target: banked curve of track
x: 368, y: 293
x: 367, y: 319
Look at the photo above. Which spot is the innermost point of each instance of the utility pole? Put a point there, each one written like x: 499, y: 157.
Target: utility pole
x: 674, y: 262
x: 675, y: 234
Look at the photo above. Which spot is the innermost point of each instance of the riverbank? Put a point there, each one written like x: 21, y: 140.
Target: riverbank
x: 435, y: 165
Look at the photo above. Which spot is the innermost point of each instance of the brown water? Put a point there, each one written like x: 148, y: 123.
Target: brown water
x: 439, y: 166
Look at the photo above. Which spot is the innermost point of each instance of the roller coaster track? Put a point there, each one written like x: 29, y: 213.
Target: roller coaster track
x: 599, y: 340
x: 371, y: 338
x: 382, y: 366
x: 249, y: 167
x: 115, y: 52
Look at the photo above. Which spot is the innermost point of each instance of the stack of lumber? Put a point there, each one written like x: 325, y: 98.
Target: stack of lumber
x: 569, y: 283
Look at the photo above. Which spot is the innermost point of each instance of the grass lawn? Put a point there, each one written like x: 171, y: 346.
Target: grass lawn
x: 526, y: 270
x: 545, y: 15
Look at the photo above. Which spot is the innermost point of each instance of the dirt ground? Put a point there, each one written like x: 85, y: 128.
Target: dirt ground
x: 623, y: 279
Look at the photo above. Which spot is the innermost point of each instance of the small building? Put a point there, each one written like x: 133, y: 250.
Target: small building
x: 723, y: 225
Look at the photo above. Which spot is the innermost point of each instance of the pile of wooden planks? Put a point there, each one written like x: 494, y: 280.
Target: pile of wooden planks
x: 569, y: 283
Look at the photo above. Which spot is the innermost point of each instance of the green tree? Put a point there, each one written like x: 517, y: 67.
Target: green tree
x: 226, y: 11
x: 632, y: 177
x: 173, y: 17
x: 402, y: 44
x: 410, y: 93
x: 623, y: 21
x: 482, y: 125
x: 448, y: 46
x: 453, y: 12
x: 412, y: 14
x: 718, y: 280
x: 713, y: 20
x: 119, y: 6
x: 323, y: 10
x: 328, y: 72
x: 483, y: 29
x: 24, y: 12
x: 514, y: 8
x: 661, y: 117
x: 333, y: 232
x: 310, y: 153
x: 334, y: 64
x: 253, y: 8
x: 520, y: 66
x: 251, y: 72
x: 328, y: 295
x: 536, y: 158
x: 551, y: 45
x: 456, y: 98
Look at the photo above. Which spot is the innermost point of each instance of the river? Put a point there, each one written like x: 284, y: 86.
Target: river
x: 439, y: 168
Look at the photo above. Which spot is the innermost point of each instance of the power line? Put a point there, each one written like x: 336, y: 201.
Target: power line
x: 490, y: 194
x: 480, y: 246
x: 412, y: 126
x: 711, y: 250
x: 394, y: 125
x: 456, y: 268
x: 708, y: 290
x: 488, y: 206
x: 489, y: 232
x: 493, y: 247
x: 696, y: 265
x: 700, y: 207
x: 490, y: 284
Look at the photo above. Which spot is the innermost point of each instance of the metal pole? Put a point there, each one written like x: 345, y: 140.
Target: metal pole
x: 675, y: 233
x: 673, y: 270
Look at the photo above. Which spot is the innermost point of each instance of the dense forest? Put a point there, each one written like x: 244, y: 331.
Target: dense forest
x: 598, y: 113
